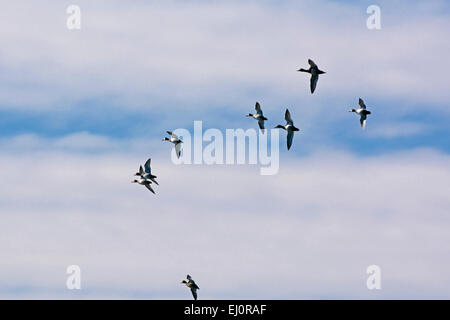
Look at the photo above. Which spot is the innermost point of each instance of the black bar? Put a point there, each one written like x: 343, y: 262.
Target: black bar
x: 224, y: 309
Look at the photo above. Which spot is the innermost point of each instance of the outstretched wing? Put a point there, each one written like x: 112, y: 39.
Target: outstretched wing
x: 312, y: 64
x: 290, y: 137
x: 361, y: 103
x: 188, y: 277
x: 313, y: 83
x: 152, y: 178
x: 258, y: 109
x: 178, y: 149
x: 141, y: 171
x: 287, y: 117
x: 147, y: 166
x: 194, y: 293
x: 362, y: 120
x: 261, y: 124
x: 147, y: 185
x: 173, y: 135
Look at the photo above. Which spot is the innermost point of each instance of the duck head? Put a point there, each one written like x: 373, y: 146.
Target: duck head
x: 184, y: 282
x: 134, y: 181
x: 352, y: 110
x: 249, y: 115
x: 280, y: 127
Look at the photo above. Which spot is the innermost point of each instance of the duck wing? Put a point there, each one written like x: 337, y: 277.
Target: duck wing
x: 313, y: 82
x: 194, y: 292
x: 147, y: 185
x: 178, y: 149
x: 258, y: 109
x: 141, y: 171
x: 261, y: 124
x: 290, y: 137
x: 287, y: 117
x: 173, y: 135
x: 147, y: 166
x: 312, y: 64
x: 152, y: 178
x: 362, y: 120
x: 362, y: 104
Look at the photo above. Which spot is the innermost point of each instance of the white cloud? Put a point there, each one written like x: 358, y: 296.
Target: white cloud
x: 79, y: 142
x: 308, y: 232
x: 398, y: 129
x: 196, y: 52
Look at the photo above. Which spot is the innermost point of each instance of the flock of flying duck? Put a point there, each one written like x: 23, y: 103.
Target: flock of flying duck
x: 289, y: 126
x: 146, y: 178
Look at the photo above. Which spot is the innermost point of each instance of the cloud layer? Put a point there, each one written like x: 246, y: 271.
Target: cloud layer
x: 308, y: 232
x: 200, y: 53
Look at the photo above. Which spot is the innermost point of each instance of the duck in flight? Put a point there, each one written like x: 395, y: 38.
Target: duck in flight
x: 176, y: 141
x: 191, y: 285
x: 144, y: 182
x: 314, y: 71
x: 362, y: 112
x: 289, y: 127
x: 146, y: 172
x: 258, y: 116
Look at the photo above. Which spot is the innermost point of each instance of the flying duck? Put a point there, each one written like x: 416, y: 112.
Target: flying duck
x: 145, y: 183
x: 314, y: 71
x: 258, y: 116
x: 146, y: 173
x: 191, y: 285
x: 362, y: 112
x: 176, y: 141
x: 289, y: 127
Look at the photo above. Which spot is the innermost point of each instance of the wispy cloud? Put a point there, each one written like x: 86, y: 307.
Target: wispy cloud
x: 398, y: 129
x: 308, y: 232
x: 201, y: 53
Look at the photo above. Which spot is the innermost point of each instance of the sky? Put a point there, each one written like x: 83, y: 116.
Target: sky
x: 80, y: 110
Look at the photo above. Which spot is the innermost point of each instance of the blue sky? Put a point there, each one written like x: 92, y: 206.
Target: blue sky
x: 84, y: 108
x: 69, y: 105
